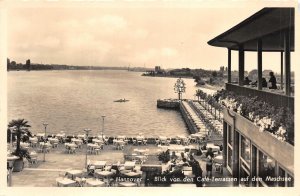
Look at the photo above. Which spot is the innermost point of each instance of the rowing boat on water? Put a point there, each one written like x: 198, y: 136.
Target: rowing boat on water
x: 121, y: 100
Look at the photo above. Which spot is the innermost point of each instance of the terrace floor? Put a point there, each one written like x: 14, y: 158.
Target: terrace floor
x: 43, y: 174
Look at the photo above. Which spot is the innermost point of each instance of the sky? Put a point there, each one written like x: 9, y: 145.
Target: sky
x: 171, y: 34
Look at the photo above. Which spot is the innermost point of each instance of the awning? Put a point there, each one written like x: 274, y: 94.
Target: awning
x: 269, y: 25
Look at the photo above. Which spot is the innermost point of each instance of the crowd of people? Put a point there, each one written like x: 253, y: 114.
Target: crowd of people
x: 186, y: 159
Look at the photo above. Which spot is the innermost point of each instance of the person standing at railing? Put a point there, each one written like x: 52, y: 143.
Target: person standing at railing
x: 272, y: 81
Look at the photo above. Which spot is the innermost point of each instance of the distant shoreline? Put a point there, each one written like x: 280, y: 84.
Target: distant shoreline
x: 23, y: 70
x: 207, y: 86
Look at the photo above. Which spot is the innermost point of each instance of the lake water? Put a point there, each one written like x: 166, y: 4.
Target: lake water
x: 71, y: 101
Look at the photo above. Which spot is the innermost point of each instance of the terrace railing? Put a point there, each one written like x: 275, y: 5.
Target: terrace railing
x: 273, y: 97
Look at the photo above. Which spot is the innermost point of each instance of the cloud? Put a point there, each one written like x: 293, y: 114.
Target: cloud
x: 49, y: 42
x: 169, y: 52
x: 116, y: 36
x: 113, y: 21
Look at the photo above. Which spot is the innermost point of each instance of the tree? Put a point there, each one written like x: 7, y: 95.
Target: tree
x: 28, y: 64
x: 179, y: 87
x: 20, y: 128
x: 198, y: 93
x: 214, y: 74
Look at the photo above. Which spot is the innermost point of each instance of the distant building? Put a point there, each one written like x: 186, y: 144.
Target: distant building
x: 222, y: 69
x: 28, y: 65
x: 157, y: 69
x: 13, y: 64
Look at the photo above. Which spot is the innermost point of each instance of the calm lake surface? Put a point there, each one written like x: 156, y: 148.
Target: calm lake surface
x: 71, y: 101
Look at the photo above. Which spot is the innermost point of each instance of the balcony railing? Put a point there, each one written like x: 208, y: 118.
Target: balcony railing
x: 272, y: 97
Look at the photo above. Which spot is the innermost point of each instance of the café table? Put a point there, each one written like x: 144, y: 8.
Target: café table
x: 127, y: 184
x: 71, y: 145
x: 140, y: 139
x: 76, y: 140
x: 218, y: 159
x: 213, y: 147
x: 40, y: 134
x: 24, y: 144
x: 141, y: 151
x: 60, y: 135
x: 121, y: 137
x: 132, y: 174
x: 74, y: 173
x: 188, y: 173
x: 118, y: 143
x: 128, y: 165
x: 33, y: 139
x: 94, y: 183
x: 105, y: 173
x: 81, y: 136
x: 65, y: 182
x: 43, y: 144
x: 53, y: 141
x: 162, y: 139
x: 99, y: 164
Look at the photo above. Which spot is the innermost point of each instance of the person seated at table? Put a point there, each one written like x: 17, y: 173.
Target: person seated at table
x: 183, y: 156
x: 221, y: 147
x: 247, y: 81
x: 25, y: 138
x: 184, y: 162
x: 204, y: 147
x: 173, y: 157
x: 253, y: 84
x: 272, y: 80
x: 91, y: 170
x: 264, y: 83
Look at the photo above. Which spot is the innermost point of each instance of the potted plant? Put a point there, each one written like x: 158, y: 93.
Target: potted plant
x: 20, y: 128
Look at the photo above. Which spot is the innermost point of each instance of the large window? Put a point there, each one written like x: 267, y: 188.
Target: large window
x: 245, y: 150
x: 229, y: 158
x: 281, y: 173
x: 266, y: 169
x: 290, y: 183
x: 244, y: 176
x: 229, y: 133
x: 285, y: 178
x: 244, y: 161
x: 229, y: 146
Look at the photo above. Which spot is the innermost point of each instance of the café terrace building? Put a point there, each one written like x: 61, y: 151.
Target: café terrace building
x: 247, y: 151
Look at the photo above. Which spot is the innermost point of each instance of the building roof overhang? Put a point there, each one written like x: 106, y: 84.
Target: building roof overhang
x: 268, y: 24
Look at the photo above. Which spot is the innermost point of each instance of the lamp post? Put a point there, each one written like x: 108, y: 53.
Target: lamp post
x: 12, y: 130
x: 102, y: 126
x: 87, y: 135
x: 45, y: 125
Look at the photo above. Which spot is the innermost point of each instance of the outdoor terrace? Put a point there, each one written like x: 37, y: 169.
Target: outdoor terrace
x: 58, y: 162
